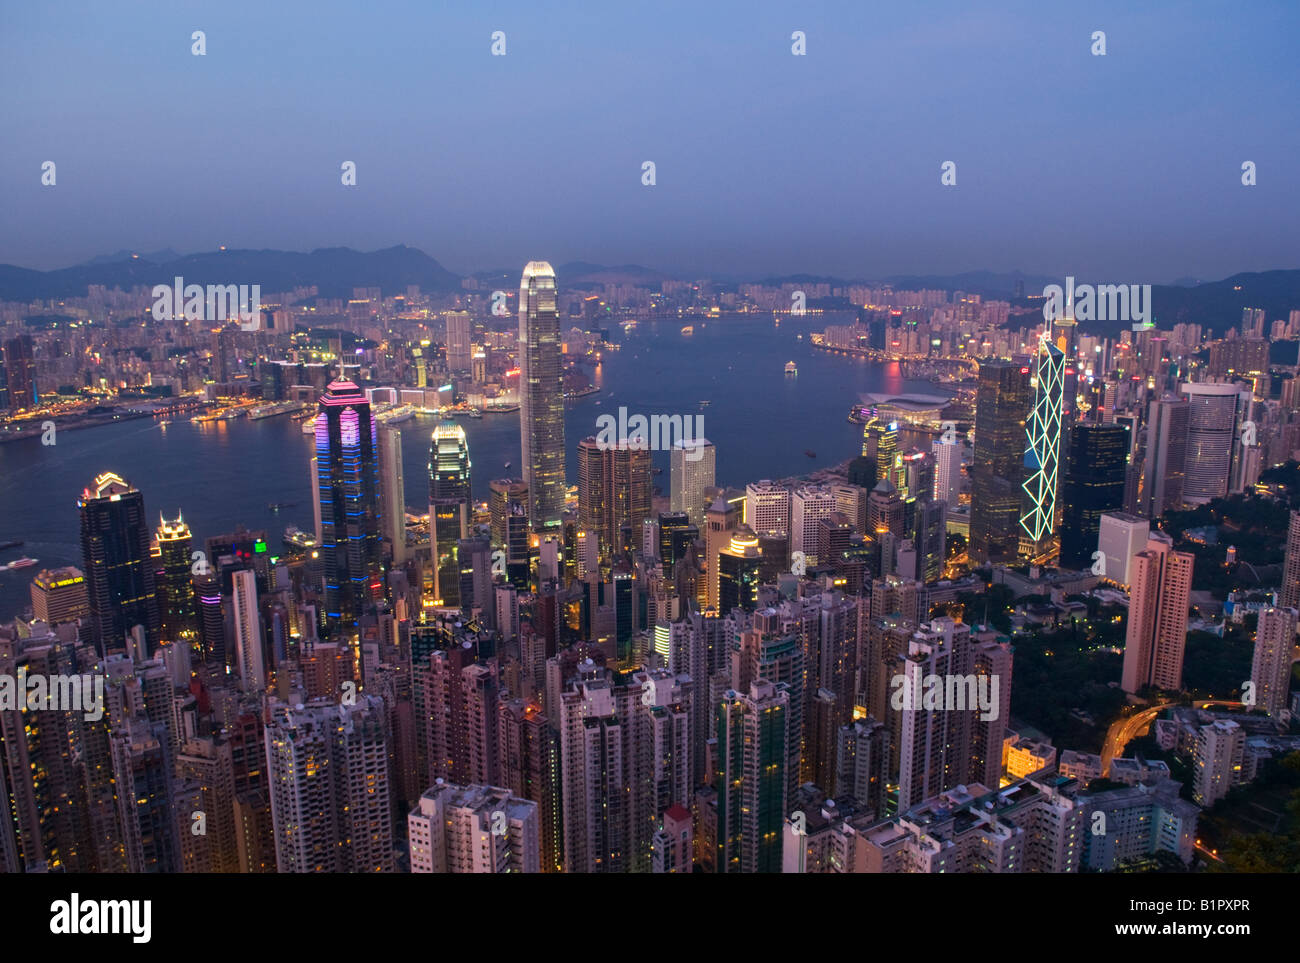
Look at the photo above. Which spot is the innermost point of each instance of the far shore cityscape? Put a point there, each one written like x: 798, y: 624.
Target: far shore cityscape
x: 1029, y: 604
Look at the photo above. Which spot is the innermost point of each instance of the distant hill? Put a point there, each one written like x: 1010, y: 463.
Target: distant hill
x: 334, y: 271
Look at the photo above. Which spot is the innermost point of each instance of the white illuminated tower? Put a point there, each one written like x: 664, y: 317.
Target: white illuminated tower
x: 541, y: 396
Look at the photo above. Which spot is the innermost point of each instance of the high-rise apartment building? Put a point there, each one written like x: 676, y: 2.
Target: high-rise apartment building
x: 1270, y: 668
x: 1157, y: 616
x: 614, y: 484
x: 753, y: 733
x: 1290, y: 594
x: 474, y: 829
x: 328, y: 777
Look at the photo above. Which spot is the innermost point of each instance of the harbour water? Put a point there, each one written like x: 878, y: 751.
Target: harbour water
x: 227, y: 473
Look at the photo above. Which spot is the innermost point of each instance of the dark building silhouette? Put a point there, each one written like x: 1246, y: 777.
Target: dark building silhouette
x: 116, y: 559
x: 1002, y: 404
x: 1095, y: 471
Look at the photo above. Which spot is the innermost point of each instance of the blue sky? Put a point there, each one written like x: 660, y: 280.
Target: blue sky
x: 1123, y: 167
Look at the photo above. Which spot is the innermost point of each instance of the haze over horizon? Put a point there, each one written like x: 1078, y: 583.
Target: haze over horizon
x: 1126, y: 166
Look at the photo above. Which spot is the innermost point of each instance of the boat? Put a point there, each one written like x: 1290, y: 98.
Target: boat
x: 688, y: 330
x: 791, y: 368
x: 17, y: 543
x: 19, y: 563
x: 810, y: 453
x: 705, y: 403
x: 798, y: 337
x: 507, y: 465
x: 309, y: 426
x: 276, y: 506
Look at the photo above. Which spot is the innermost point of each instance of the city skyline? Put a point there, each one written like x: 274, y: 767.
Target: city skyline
x: 808, y: 475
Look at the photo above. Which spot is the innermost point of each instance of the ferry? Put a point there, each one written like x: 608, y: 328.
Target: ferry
x: 309, y: 426
x: 688, y: 330
x: 19, y: 563
x: 791, y: 368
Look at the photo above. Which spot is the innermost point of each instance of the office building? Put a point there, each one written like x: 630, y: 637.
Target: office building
x: 460, y: 337
x: 449, y: 508
x: 1043, y: 429
x: 59, y: 595
x: 392, y: 493
x: 347, y: 466
x: 1120, y: 536
x: 120, y: 575
x: 692, y: 467
x: 175, y: 583
x: 614, y: 484
x: 541, y: 396
x: 1096, y: 467
x: 1211, y: 434
x: 997, y: 469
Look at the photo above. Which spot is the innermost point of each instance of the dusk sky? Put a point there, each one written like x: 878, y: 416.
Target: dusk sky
x: 1125, y: 167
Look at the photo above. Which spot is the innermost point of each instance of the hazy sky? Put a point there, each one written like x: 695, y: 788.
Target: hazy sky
x: 1125, y: 167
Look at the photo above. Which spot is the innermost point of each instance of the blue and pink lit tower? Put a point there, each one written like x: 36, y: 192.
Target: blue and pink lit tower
x: 347, y: 469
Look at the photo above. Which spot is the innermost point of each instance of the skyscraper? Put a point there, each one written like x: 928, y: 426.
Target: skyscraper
x: 1042, y: 453
x: 249, y: 643
x: 331, y: 799
x: 116, y: 560
x: 1271, y: 666
x: 1165, y: 460
x: 947, y: 472
x: 176, y: 593
x: 753, y: 730
x: 1211, y: 432
x: 460, y: 335
x: 392, y: 493
x: 692, y: 468
x: 1096, y: 466
x: 997, y: 469
x: 613, y: 491
x: 1157, y: 616
x: 20, y: 371
x: 449, y: 507
x: 541, y: 396
x: 1290, y: 594
x: 347, y: 465
x: 738, y: 572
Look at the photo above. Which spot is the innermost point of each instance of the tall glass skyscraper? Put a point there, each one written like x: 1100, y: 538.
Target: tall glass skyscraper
x: 176, y: 593
x: 119, y: 571
x: 1002, y: 405
x: 1095, y: 471
x: 541, y: 397
x: 449, y: 507
x: 347, y: 468
x: 1043, y: 452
